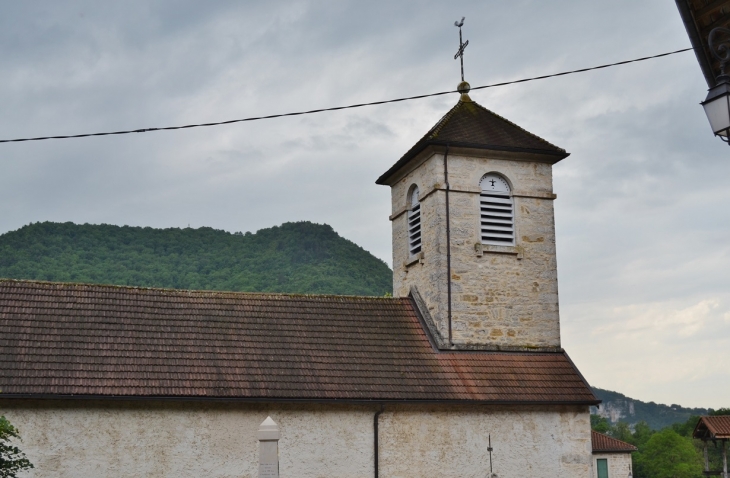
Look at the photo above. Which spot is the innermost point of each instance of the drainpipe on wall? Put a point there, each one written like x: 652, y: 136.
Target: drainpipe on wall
x: 448, y: 239
x: 375, y: 440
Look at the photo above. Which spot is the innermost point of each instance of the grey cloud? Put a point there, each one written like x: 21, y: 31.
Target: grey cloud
x: 641, y: 215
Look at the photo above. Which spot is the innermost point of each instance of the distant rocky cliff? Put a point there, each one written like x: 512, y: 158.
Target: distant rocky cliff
x: 618, y: 407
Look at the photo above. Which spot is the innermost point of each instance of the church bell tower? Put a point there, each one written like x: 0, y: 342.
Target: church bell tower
x: 474, y: 232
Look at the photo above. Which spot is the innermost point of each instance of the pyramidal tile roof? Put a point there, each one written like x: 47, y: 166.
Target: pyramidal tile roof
x: 470, y: 125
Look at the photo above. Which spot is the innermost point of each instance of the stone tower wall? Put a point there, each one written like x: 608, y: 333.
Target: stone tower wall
x: 502, y: 296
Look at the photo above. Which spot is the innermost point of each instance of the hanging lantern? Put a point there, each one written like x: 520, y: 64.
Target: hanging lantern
x: 717, y: 103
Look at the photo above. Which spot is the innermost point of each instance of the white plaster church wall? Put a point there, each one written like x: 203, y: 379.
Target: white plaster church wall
x: 84, y: 439
x: 504, y: 299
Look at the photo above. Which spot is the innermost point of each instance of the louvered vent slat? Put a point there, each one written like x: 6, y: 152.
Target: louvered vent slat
x: 492, y: 227
x: 497, y: 219
x: 414, y: 224
x: 496, y: 209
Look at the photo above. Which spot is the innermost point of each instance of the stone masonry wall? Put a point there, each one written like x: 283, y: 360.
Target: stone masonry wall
x: 619, y: 464
x: 502, y: 296
x: 114, y: 439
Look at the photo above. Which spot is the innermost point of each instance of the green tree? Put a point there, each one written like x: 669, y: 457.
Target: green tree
x: 12, y: 460
x: 299, y: 257
x: 622, y: 431
x: 642, y: 433
x: 600, y: 424
x: 685, y: 429
x: 668, y: 455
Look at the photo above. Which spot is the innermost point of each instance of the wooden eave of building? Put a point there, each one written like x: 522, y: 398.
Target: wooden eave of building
x: 713, y: 428
x: 699, y: 18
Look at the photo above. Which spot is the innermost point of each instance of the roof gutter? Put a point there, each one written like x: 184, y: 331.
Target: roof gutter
x: 598, y: 452
x: 346, y: 401
x: 376, y: 451
x: 690, y: 24
x: 448, y: 242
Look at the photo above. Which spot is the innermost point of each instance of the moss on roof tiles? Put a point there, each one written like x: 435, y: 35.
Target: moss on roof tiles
x: 107, y: 342
x: 471, y: 125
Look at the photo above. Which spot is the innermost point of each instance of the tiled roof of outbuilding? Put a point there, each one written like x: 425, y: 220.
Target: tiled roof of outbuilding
x: 713, y: 427
x: 106, y: 341
x: 471, y: 125
x: 605, y: 444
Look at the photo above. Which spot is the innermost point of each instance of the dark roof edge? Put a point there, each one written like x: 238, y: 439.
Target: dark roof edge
x: 694, y: 37
x: 598, y: 452
x: 554, y: 156
x: 697, y: 428
x: 440, y: 345
x: 419, y: 307
x: 567, y: 357
x: 349, y: 401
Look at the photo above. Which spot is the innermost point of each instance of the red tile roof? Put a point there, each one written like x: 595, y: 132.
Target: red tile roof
x: 605, y: 444
x: 96, y: 340
x: 713, y: 427
x: 470, y: 125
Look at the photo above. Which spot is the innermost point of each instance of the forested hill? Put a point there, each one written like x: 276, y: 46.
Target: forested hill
x: 299, y: 257
x: 617, y: 407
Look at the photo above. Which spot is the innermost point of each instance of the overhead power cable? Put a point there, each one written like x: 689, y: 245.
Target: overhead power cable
x: 336, y: 108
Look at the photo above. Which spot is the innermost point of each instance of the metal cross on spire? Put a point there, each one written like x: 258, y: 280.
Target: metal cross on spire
x: 462, y: 46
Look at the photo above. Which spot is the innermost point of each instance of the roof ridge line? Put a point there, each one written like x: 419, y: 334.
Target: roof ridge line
x: 444, y: 119
x: 196, y: 291
x: 518, y: 126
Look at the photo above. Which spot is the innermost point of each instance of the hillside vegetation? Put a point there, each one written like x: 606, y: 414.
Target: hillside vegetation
x: 617, y: 407
x: 299, y: 257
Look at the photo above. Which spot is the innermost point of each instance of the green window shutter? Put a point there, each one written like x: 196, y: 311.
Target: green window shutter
x: 602, y: 466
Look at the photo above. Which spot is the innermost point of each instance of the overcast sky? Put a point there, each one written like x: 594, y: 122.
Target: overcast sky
x: 642, y: 212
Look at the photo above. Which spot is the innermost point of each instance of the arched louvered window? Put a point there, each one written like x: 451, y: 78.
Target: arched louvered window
x: 414, y: 223
x: 497, y: 215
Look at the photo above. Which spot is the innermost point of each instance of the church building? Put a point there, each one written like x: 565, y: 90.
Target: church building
x: 460, y: 374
